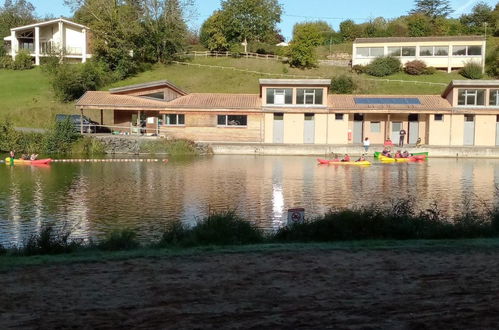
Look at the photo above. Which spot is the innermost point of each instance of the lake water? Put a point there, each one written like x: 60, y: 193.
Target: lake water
x: 91, y: 199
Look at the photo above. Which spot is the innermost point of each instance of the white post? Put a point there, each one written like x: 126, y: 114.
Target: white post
x: 62, y: 46
x: 14, y: 44
x: 37, y: 45
x: 84, y: 46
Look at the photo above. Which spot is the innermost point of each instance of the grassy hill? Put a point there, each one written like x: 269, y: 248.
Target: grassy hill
x: 26, y: 97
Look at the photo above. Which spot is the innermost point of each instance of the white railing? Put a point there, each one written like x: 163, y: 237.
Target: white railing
x: 229, y: 54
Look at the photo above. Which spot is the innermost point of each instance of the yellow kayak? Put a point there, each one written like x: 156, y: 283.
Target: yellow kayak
x: 386, y: 159
x: 29, y: 162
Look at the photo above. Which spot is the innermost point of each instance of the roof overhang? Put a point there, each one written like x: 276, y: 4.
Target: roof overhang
x: 8, y: 38
x: 418, y: 39
x: 295, y: 82
x: 152, y: 84
x: 20, y: 28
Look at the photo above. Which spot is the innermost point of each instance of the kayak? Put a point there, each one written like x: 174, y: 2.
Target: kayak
x: 378, y: 153
x: 29, y: 162
x: 338, y: 162
x: 402, y: 160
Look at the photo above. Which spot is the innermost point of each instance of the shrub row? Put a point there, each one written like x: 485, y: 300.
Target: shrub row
x: 23, y: 61
x: 62, y: 138
x: 400, y: 221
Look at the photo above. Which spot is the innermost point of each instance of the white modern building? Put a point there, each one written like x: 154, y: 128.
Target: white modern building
x: 439, y: 52
x: 58, y: 36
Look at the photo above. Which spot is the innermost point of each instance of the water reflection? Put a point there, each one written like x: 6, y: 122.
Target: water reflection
x: 94, y: 198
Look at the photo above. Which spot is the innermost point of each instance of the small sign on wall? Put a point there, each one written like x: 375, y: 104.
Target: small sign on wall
x: 296, y: 215
x: 150, y: 120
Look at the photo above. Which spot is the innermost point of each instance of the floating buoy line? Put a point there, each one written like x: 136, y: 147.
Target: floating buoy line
x: 118, y: 160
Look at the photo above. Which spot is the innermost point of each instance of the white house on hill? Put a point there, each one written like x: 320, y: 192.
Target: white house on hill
x: 58, y: 36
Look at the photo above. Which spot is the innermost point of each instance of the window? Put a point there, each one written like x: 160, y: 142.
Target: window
x: 375, y: 127
x: 279, y: 96
x: 171, y: 120
x: 408, y: 51
x: 439, y: 117
x: 309, y: 96
x: 425, y: 51
x: 278, y: 116
x: 309, y: 116
x: 466, y: 50
x: 394, y: 51
x: 494, y: 97
x: 469, y: 118
x: 471, y: 97
x: 434, y: 51
x: 338, y: 116
x: 402, y: 51
x: 232, y: 120
x: 370, y: 51
x: 159, y: 95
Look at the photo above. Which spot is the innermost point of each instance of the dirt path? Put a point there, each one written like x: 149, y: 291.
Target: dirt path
x: 291, y: 290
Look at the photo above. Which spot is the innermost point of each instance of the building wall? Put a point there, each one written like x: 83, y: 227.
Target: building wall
x: 375, y: 138
x: 74, y: 40
x: 438, y: 131
x: 485, y: 130
x: 293, y: 127
x: 321, y: 128
x: 337, y: 131
x: 456, y: 130
x: 269, y: 127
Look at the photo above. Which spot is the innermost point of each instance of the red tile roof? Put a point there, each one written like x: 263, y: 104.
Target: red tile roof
x: 106, y: 99
x: 217, y: 101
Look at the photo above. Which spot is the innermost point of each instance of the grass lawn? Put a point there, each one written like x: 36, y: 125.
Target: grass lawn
x: 27, y: 100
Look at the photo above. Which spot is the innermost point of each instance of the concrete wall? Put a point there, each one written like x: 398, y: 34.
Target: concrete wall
x: 438, y: 131
x: 456, y: 130
x: 74, y: 40
x: 321, y: 125
x: 269, y: 127
x: 373, y: 136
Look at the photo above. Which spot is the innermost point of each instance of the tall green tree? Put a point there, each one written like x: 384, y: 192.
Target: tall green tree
x: 432, y: 8
x: 306, y: 38
x: 419, y: 25
x: 15, y: 13
x: 349, y: 30
x: 480, y: 15
x: 212, y: 34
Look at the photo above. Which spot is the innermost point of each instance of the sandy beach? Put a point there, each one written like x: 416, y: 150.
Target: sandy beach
x: 307, y: 289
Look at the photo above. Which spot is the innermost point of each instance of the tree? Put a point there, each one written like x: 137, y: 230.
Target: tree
x: 432, y: 8
x: 240, y: 20
x: 480, y: 15
x: 212, y: 33
x: 306, y: 37
x: 349, y: 30
x: 251, y: 20
x: 419, y: 25
x: 15, y: 13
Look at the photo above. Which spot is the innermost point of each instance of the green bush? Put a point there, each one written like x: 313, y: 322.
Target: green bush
x: 384, y: 66
x: 61, y: 138
x: 415, y: 68
x: 471, y: 70
x: 493, y: 64
x: 6, y: 62
x: 71, y: 81
x: 178, y: 147
x: 23, y: 61
x: 224, y: 228
x: 342, y: 84
x: 125, y: 239
x: 430, y: 70
x: 358, y: 68
x: 262, y: 48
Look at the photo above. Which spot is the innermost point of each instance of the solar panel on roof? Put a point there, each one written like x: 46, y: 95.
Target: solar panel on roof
x: 387, y: 100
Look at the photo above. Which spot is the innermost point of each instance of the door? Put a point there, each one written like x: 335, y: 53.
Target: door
x: 469, y: 130
x: 497, y: 130
x: 413, y: 129
x: 396, y: 127
x: 358, y: 128
x: 309, y: 128
x: 278, y: 128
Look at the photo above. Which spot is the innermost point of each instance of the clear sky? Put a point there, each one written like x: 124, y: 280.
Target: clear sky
x: 332, y: 11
